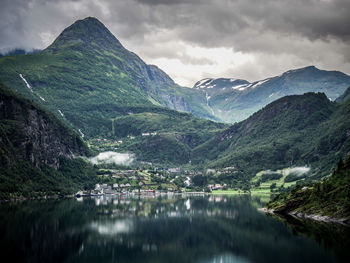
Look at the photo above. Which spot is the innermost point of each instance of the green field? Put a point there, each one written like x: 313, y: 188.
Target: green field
x: 265, y: 186
x: 227, y: 192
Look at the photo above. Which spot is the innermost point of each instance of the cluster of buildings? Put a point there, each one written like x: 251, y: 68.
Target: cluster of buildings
x: 217, y: 186
x: 148, y: 134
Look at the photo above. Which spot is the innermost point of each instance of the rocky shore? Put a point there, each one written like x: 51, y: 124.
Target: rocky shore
x: 320, y: 218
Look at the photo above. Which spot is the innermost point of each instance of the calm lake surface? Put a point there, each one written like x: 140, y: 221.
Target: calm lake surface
x: 170, y: 228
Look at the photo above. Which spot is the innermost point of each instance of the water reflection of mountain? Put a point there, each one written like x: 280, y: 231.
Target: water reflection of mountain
x: 332, y: 236
x: 151, y: 229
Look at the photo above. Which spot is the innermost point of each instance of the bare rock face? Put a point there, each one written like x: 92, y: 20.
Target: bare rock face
x: 34, y: 134
x: 175, y: 102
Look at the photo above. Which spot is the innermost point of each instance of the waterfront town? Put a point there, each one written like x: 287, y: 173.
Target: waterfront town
x: 113, y: 181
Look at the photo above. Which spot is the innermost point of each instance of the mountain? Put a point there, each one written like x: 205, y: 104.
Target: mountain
x: 232, y: 100
x: 87, y: 63
x: 92, y: 83
x: 37, y: 151
x: 90, y: 37
x: 295, y: 130
x: 329, y: 197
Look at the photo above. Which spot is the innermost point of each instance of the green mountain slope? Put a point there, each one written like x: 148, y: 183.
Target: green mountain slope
x: 37, y: 151
x: 295, y: 130
x: 90, y: 81
x: 91, y: 78
x: 330, y: 197
x: 164, y: 136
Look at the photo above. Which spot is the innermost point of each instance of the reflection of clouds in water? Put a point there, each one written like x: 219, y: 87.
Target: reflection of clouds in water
x: 226, y: 258
x: 113, y: 228
x: 142, y: 207
x: 188, y: 204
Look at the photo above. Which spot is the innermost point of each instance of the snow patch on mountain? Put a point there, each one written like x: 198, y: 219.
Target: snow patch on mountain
x: 26, y: 82
x: 241, y: 87
x: 203, y: 83
x: 256, y: 84
x: 81, y: 133
x: 208, y: 98
x: 211, y: 86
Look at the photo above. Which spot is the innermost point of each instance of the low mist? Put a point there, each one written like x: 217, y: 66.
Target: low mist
x: 113, y: 158
x: 299, y: 170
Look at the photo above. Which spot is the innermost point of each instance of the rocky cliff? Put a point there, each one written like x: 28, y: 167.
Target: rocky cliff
x: 37, y: 151
x: 34, y: 134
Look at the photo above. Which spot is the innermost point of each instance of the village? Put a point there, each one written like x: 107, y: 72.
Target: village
x: 156, y: 180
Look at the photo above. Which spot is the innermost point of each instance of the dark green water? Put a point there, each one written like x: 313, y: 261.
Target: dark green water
x: 162, y: 229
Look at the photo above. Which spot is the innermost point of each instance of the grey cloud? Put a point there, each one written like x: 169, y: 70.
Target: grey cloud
x: 163, y: 2
x: 203, y: 22
x: 300, y: 30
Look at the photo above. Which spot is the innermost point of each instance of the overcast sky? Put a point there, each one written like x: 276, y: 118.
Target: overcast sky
x: 195, y: 39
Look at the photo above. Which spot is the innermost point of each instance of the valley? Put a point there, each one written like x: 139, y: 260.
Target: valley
x: 223, y: 135
x: 175, y: 131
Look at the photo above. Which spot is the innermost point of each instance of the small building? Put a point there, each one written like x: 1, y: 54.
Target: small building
x: 216, y: 187
x: 211, y: 171
x: 228, y: 170
x: 109, y: 191
x: 174, y: 170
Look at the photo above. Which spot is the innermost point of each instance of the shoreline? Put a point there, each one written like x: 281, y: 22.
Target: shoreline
x: 315, y: 217
x: 55, y: 196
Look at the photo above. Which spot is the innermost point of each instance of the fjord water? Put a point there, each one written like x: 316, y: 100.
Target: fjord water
x: 170, y: 228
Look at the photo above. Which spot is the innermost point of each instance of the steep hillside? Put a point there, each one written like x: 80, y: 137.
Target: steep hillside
x: 163, y: 136
x: 87, y: 78
x: 232, y: 100
x: 37, y: 151
x: 90, y: 81
x: 330, y: 197
x: 292, y: 131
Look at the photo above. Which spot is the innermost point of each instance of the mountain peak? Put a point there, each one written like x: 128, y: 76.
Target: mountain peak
x: 89, y: 32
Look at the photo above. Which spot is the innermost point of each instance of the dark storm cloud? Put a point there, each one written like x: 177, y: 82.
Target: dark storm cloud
x: 203, y: 22
x: 219, y: 22
x: 164, y: 2
x: 302, y: 31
